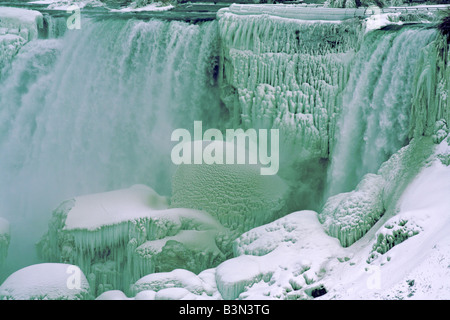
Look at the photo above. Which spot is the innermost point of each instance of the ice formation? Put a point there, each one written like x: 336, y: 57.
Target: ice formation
x: 284, y: 259
x: 118, y: 236
x: 237, y: 195
x: 405, y: 255
x: 4, y: 240
x: 276, y: 74
x: 46, y: 281
x: 348, y: 216
x: 17, y: 26
x: 22, y: 22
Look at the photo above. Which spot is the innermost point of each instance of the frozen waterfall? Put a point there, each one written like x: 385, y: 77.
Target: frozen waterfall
x: 94, y: 110
x: 377, y: 104
x: 86, y: 119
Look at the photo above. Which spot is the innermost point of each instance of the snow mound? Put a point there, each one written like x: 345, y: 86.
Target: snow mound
x: 112, y: 295
x: 119, y: 236
x: 4, y: 239
x: 236, y: 194
x: 284, y: 259
x: 23, y: 22
x: 184, y: 281
x: 394, y: 231
x: 46, y: 281
x: 113, y: 207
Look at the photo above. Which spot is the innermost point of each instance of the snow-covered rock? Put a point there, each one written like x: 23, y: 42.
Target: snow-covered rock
x: 184, y: 281
x: 23, y: 22
x: 17, y: 27
x: 46, y: 281
x: 349, y: 216
x: 405, y: 255
x: 287, y: 74
x: 119, y: 236
x: 4, y: 240
x: 284, y: 259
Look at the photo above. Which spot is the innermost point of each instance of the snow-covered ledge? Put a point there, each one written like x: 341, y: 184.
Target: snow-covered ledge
x: 308, y: 12
x: 22, y: 22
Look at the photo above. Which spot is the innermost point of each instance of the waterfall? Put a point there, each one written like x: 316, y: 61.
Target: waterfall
x: 376, y: 104
x: 94, y: 110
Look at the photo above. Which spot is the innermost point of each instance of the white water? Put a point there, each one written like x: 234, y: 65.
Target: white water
x: 376, y: 104
x: 94, y: 111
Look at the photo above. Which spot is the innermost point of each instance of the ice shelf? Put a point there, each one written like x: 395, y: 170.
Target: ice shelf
x: 119, y: 236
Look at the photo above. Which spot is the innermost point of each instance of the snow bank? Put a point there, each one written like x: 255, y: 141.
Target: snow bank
x: 46, y: 281
x: 117, y: 237
x: 4, y: 240
x: 23, y: 22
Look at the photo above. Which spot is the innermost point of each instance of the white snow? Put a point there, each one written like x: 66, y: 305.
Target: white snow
x: 23, y: 22
x: 117, y: 237
x: 114, y: 207
x: 64, y: 5
x: 178, y: 278
x: 46, y: 281
x: 378, y: 21
x: 280, y: 260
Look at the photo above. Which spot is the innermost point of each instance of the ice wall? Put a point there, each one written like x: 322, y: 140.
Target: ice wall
x: 287, y: 74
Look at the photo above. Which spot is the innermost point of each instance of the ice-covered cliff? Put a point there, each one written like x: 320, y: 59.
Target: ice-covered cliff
x: 119, y: 236
x: 370, y: 104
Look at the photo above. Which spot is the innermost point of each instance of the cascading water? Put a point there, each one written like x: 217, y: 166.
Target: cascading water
x: 376, y: 104
x: 94, y: 111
